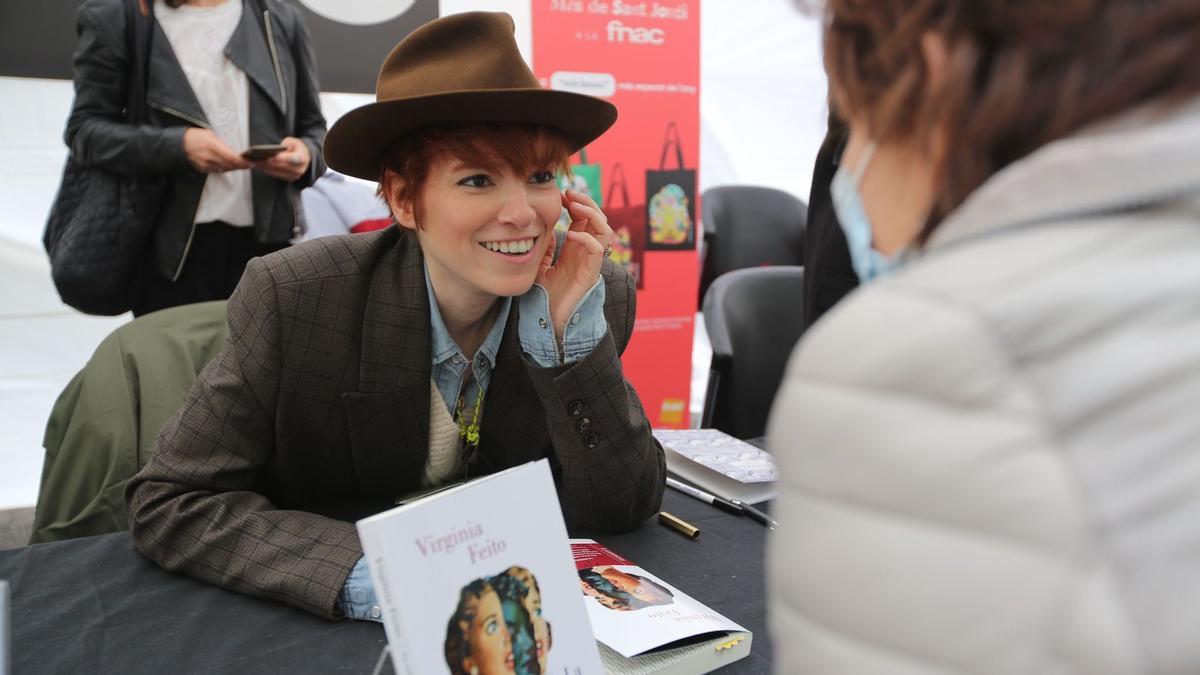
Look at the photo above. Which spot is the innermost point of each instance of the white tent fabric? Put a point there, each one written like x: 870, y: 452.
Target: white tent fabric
x: 42, y: 342
x: 763, y: 116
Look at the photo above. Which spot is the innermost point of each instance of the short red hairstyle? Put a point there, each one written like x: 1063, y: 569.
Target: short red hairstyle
x: 492, y: 146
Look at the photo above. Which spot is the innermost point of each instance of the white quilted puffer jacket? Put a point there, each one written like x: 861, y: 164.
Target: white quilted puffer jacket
x: 990, y: 460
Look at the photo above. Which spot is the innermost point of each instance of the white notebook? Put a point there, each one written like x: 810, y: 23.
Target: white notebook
x: 719, y: 463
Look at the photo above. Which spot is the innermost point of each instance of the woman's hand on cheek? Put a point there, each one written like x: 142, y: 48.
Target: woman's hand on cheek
x: 578, y: 264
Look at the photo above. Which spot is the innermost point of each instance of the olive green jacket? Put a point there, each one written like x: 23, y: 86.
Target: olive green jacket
x: 102, y: 426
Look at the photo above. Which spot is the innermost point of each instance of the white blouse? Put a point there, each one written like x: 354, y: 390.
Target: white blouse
x: 198, y: 36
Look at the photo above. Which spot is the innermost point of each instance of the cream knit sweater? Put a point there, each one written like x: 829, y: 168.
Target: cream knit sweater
x: 445, y: 446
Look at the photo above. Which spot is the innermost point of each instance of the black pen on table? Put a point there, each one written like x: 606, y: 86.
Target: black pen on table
x: 734, y: 506
x: 719, y: 502
x: 756, y: 514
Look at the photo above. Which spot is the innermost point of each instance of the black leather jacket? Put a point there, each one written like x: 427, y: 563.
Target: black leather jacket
x: 270, y: 44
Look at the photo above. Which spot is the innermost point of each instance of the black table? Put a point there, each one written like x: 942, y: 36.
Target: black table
x: 95, y: 605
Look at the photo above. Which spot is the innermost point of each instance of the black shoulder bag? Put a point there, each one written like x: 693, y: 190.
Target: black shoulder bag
x: 101, y: 221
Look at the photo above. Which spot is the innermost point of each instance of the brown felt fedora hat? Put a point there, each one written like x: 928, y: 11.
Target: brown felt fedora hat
x: 459, y: 68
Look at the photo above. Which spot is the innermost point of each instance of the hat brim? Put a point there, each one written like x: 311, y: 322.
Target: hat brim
x: 355, y: 144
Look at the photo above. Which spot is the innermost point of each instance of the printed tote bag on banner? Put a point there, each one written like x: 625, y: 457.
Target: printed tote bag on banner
x: 629, y: 227
x: 671, y: 200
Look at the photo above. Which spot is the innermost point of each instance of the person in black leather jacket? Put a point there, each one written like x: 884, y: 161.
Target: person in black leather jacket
x: 252, y: 81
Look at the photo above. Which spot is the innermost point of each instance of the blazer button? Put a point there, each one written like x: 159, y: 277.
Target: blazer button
x: 591, y: 441
x: 584, y: 424
x: 575, y: 407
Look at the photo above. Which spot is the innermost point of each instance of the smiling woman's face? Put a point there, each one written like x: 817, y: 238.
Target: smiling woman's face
x: 490, y: 647
x: 483, y: 231
x: 482, y: 200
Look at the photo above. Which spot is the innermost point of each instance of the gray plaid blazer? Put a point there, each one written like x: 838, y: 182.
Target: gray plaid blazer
x: 317, y: 413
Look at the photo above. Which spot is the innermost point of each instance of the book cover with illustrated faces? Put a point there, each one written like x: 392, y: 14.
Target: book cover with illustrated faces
x: 479, y: 580
x: 634, y: 612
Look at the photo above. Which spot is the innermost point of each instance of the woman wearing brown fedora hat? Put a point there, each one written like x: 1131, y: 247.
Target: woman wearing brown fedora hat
x: 466, y: 339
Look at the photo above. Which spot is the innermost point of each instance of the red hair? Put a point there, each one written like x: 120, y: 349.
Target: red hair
x: 492, y: 146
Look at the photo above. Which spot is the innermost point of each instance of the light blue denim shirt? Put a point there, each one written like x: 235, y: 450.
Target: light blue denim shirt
x: 449, y: 362
x: 584, y: 330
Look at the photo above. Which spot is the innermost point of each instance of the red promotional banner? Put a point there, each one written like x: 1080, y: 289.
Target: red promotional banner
x: 645, y: 58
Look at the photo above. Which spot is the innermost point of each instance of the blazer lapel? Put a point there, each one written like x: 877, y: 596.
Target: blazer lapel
x: 513, y: 431
x: 388, y: 417
x: 248, y: 50
x: 167, y: 86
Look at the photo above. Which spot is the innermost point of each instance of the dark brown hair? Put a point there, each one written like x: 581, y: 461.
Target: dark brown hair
x: 456, y: 648
x: 492, y: 146
x: 1020, y: 73
x: 173, y: 4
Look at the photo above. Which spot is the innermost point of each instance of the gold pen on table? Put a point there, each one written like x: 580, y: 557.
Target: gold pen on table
x: 681, y: 526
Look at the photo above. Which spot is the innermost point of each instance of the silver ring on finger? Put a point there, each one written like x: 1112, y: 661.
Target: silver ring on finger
x: 294, y: 160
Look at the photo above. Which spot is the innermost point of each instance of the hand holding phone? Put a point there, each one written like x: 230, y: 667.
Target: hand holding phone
x: 255, y: 153
x: 289, y: 165
x: 207, y: 153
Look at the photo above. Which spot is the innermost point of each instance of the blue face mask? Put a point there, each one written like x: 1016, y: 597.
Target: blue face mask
x: 852, y: 215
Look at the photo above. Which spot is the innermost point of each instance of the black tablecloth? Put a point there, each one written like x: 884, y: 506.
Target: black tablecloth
x: 95, y: 605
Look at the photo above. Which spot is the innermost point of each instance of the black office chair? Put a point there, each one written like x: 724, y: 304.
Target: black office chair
x: 754, y: 318
x: 749, y: 226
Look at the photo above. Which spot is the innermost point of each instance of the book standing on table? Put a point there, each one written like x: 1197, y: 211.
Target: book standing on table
x: 479, y: 579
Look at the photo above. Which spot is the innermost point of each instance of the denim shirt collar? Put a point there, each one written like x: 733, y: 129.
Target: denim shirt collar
x: 443, y: 346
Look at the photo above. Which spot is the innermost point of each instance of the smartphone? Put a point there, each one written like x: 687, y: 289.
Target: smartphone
x: 257, y: 152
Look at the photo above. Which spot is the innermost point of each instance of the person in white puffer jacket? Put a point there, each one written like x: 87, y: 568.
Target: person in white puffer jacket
x: 989, y: 453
